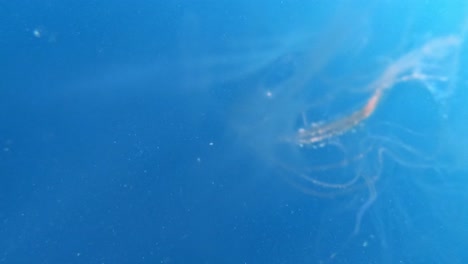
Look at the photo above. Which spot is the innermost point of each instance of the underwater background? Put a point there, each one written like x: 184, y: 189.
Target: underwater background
x: 168, y: 131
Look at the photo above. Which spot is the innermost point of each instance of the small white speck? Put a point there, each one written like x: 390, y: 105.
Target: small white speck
x: 37, y: 33
x: 211, y: 143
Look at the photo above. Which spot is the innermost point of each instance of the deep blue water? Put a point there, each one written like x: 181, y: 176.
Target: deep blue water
x: 167, y: 132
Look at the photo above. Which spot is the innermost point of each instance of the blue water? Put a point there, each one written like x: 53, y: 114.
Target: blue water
x: 166, y: 132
